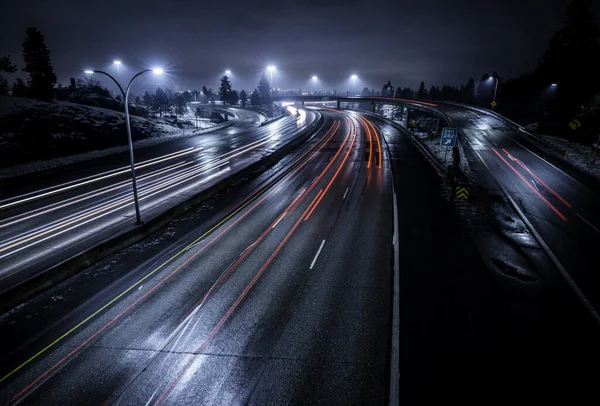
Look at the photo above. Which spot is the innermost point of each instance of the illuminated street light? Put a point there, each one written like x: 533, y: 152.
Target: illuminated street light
x: 125, y: 94
x: 228, y: 72
x: 554, y: 85
x: 271, y: 69
x: 315, y: 78
x: 118, y: 63
x: 495, y: 90
x: 354, y: 77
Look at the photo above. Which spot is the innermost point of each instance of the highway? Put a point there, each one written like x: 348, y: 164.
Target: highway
x: 277, y: 292
x: 47, y: 218
x: 561, y: 205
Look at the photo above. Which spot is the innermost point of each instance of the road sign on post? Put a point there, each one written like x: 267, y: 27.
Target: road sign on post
x: 448, y: 137
x: 493, y: 103
x: 575, y: 124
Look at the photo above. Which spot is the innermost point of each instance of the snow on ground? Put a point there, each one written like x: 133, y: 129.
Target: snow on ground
x: 579, y: 156
x: 37, y: 166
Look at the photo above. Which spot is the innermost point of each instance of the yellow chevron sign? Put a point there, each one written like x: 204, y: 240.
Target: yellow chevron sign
x: 463, y: 192
x: 575, y: 124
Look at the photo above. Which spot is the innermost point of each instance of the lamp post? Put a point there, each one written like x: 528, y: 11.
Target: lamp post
x: 495, y: 91
x: 125, y: 94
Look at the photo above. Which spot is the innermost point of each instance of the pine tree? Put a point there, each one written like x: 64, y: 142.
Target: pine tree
x: 468, y: 91
x: 264, y: 88
x: 422, y: 92
x: 387, y: 90
x: 5, y: 66
x: 37, y: 63
x: 225, y: 90
x: 234, y: 98
x: 433, y: 93
x: 255, y: 98
x: 407, y: 93
x: 243, y: 98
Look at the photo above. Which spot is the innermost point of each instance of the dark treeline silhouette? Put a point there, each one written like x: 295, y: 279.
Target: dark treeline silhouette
x: 564, y: 86
x: 163, y: 102
x: 36, y: 56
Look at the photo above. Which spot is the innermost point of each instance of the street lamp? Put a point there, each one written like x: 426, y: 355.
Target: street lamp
x: 118, y: 63
x: 125, y: 94
x: 315, y: 78
x: 354, y: 77
x: 271, y: 69
x: 228, y: 72
x: 495, y: 91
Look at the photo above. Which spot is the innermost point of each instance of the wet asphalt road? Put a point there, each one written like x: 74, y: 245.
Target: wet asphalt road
x: 562, y: 207
x: 57, y: 214
x: 281, y: 296
x: 215, y: 326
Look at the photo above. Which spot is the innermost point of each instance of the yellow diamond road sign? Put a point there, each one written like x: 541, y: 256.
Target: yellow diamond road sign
x: 463, y: 192
x: 575, y: 124
x: 494, y: 104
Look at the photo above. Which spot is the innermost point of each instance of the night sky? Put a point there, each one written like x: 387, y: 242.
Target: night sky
x: 404, y: 41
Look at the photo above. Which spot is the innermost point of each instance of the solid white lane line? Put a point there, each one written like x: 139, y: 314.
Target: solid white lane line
x: 587, y: 222
x: 280, y: 218
x: 543, y: 244
x: 317, y: 256
x: 346, y: 192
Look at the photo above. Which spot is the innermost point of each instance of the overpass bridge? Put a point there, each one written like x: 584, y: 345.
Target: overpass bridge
x: 407, y: 104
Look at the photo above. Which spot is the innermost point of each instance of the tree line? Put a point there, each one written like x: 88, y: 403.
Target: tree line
x: 565, y: 84
x: 36, y: 57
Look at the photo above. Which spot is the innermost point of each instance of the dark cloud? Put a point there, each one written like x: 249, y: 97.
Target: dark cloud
x: 405, y: 41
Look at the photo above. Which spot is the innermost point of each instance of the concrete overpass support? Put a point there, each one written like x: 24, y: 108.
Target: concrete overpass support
x: 373, y: 106
x: 338, y: 104
x: 303, y: 103
x: 407, y: 116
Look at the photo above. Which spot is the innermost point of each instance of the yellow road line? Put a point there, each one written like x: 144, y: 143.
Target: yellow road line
x: 126, y: 291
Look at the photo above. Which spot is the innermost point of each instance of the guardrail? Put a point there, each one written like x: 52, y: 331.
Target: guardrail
x: 508, y: 121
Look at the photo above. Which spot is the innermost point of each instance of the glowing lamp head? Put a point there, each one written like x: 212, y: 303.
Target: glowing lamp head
x: 228, y: 72
x: 88, y: 71
x: 554, y: 85
x: 117, y: 62
x: 271, y: 68
x: 354, y: 77
x: 315, y: 78
x: 158, y: 71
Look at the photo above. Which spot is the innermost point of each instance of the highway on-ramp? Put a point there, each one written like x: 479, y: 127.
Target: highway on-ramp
x: 561, y: 205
